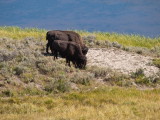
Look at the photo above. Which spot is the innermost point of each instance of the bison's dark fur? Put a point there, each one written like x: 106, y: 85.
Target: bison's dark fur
x: 65, y: 36
x: 71, y: 51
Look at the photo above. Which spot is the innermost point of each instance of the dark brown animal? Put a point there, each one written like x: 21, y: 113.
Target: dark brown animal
x: 71, y: 51
x: 75, y: 37
x: 65, y: 36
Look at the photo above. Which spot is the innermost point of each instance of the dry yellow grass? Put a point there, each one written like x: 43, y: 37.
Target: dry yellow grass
x: 106, y: 103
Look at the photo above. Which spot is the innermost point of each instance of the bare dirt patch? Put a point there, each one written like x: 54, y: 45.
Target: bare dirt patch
x: 125, y: 62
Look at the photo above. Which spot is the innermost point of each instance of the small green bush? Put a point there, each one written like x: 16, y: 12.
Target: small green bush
x: 7, y: 93
x: 58, y: 85
x: 119, y: 79
x: 19, y: 70
x: 116, y: 44
x: 27, y: 77
x: 126, y: 48
x: 156, y: 62
x: 82, y: 78
x: 99, y: 72
x: 140, y: 78
x: 138, y: 73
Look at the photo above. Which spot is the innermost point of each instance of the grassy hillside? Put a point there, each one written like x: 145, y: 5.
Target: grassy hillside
x: 34, y: 86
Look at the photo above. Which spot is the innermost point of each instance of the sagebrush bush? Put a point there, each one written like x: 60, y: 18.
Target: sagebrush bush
x: 18, y: 70
x: 139, y: 72
x: 7, y: 93
x: 27, y: 77
x: 82, y: 78
x: 89, y: 39
x: 99, y: 72
x: 108, y: 44
x: 116, y: 44
x: 58, y: 85
x: 140, y: 78
x: 156, y: 62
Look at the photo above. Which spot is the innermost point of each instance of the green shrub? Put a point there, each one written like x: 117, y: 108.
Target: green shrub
x: 18, y: 70
x: 31, y: 90
x: 119, y: 79
x: 27, y: 77
x: 138, y: 73
x: 139, y: 51
x: 99, y: 72
x: 58, y: 85
x: 108, y: 43
x: 126, y: 48
x: 156, y: 62
x: 82, y: 78
x: 140, y: 78
x: 7, y: 93
x: 116, y: 44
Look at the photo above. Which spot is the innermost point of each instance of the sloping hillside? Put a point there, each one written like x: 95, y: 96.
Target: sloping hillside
x: 26, y: 69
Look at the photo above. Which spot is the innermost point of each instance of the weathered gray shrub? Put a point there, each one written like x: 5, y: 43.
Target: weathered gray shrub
x: 82, y: 78
x: 5, y: 55
x: 108, y: 43
x: 116, y: 44
x: 99, y: 72
x: 58, y: 85
x: 115, y: 78
x: 139, y: 72
x: 126, y: 48
x: 18, y: 70
x: 89, y: 39
x: 140, y: 78
x: 7, y: 93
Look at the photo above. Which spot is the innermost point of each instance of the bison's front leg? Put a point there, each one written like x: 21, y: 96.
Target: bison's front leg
x: 74, y: 63
x: 68, y: 62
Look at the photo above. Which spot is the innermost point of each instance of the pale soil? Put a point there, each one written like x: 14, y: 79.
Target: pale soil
x: 122, y: 61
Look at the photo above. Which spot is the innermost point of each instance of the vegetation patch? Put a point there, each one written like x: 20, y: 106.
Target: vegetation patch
x: 102, y: 103
x: 156, y: 62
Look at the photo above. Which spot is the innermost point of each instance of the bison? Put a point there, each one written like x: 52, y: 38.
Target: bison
x: 71, y: 51
x: 65, y: 36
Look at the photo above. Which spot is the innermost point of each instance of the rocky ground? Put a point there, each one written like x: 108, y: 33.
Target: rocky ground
x: 125, y: 62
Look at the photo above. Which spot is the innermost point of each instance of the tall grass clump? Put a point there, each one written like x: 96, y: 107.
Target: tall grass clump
x: 124, y: 39
x: 156, y: 62
x: 20, y: 33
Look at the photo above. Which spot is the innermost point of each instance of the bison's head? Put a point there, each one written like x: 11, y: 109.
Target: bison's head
x: 84, y: 49
x: 81, y: 62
